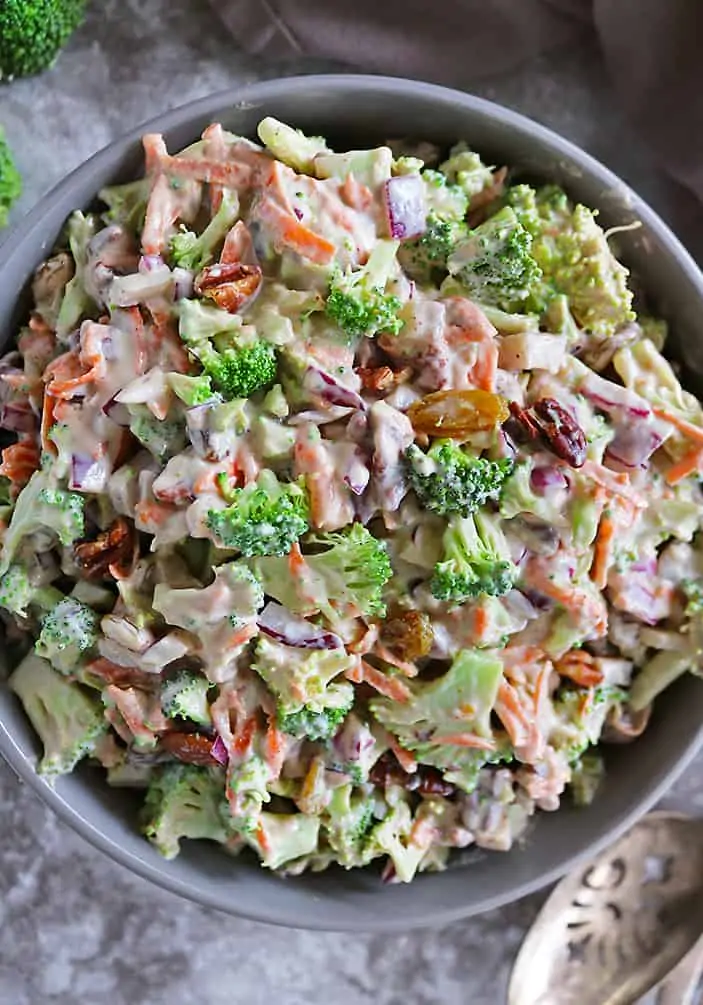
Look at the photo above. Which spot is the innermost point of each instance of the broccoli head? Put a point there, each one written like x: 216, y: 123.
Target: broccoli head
x: 68, y: 632
x: 10, y: 180
x: 465, y: 169
x: 393, y: 837
x: 446, y: 479
x: 357, y: 301
x: 39, y: 507
x: 192, y: 390
x: 476, y: 560
x: 430, y: 252
x: 494, y: 262
x: 265, y: 518
x: 67, y: 718
x: 312, y: 724
x: 457, y: 704
x: 18, y: 593
x: 33, y: 32
x: 184, y: 696
x: 304, y: 683
x: 238, y: 371
x: 185, y: 801
x: 193, y: 251
x: 354, y: 568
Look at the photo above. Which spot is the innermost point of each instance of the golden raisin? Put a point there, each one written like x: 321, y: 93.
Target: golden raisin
x: 408, y: 635
x: 457, y: 413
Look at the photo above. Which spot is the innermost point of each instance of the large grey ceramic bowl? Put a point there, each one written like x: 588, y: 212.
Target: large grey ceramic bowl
x: 364, y: 110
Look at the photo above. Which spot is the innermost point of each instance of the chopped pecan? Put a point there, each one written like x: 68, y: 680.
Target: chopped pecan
x: 109, y: 672
x: 382, y: 378
x: 231, y: 285
x: 562, y: 432
x: 427, y: 781
x: 191, y: 748
x: 113, y: 553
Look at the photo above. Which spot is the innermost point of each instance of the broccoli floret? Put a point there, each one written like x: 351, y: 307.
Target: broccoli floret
x: 586, y: 776
x: 448, y: 480
x: 68, y: 633
x: 76, y: 303
x: 313, y: 724
x: 192, y: 390
x: 693, y: 591
x: 573, y: 254
x: 18, y: 593
x: 184, y: 696
x: 355, y: 568
x: 476, y: 560
x: 444, y: 201
x: 68, y: 720
x: 428, y: 253
x: 347, y: 824
x: 40, y: 507
x: 465, y: 169
x: 265, y: 518
x: 459, y: 702
x: 304, y: 681
x: 10, y: 179
x: 357, y: 301
x: 199, y: 322
x: 193, y: 251
x: 126, y: 204
x: 185, y: 801
x: 163, y: 438
x: 239, y: 372
x: 392, y: 837
x: 247, y: 791
x: 494, y: 262
x: 33, y: 32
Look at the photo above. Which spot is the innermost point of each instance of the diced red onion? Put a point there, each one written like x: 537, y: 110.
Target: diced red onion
x: 279, y: 624
x: 647, y: 565
x: 540, y: 601
x: 547, y: 478
x: 219, y: 750
x: 405, y: 206
x: 148, y: 263
x: 18, y: 417
x: 117, y: 412
x: 331, y: 390
x: 634, y: 444
x: 318, y: 417
x: 81, y: 469
x: 182, y: 283
x: 613, y: 398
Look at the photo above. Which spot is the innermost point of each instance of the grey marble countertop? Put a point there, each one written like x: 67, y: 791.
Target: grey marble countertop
x: 76, y: 929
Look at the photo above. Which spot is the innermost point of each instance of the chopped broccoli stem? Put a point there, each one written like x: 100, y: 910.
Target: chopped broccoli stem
x: 446, y: 479
x: 67, y: 719
x: 184, y: 695
x: 33, y: 32
x: 185, y: 801
x: 476, y: 560
x: 265, y: 518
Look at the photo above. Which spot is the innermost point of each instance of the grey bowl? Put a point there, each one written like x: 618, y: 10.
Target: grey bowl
x: 363, y: 110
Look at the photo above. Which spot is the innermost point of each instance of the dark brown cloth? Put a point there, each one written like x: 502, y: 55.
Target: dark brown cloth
x: 652, y: 49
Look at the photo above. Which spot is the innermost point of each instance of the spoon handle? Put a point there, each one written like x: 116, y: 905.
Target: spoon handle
x: 680, y: 986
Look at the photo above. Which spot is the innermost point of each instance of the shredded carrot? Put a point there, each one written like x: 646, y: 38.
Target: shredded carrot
x: 405, y: 667
x: 152, y: 513
x: 604, y: 550
x: 20, y: 461
x: 615, y: 482
x: 296, y: 561
x: 580, y: 667
x: 389, y: 686
x: 691, y: 432
x: 465, y: 740
x: 66, y: 374
x: 405, y: 758
x: 48, y: 418
x: 355, y: 193
x: 294, y: 234
x: 275, y: 747
x: 690, y: 464
x: 262, y: 840
x: 244, y: 736
x: 482, y: 622
x: 520, y: 727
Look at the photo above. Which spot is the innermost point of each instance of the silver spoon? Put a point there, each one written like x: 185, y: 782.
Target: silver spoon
x: 617, y: 927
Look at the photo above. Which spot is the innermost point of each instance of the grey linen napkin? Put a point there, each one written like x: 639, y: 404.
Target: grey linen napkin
x: 651, y: 48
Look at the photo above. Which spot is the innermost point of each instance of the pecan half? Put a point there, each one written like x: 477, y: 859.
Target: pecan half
x: 562, y: 432
x: 113, y: 553
x: 382, y: 378
x: 230, y: 285
x: 190, y: 748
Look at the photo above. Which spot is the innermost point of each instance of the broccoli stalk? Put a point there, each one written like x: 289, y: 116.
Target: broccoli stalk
x: 192, y: 390
x: 448, y: 480
x: 10, y: 180
x: 284, y: 837
x: 67, y: 719
x: 348, y: 577
x: 304, y: 682
x: 357, y: 301
x: 476, y: 560
x: 192, y: 251
x: 291, y: 146
x: 68, y: 632
x: 494, y: 263
x: 348, y: 821
x: 184, y: 696
x: 33, y: 32
x: 265, y: 518
x: 185, y: 801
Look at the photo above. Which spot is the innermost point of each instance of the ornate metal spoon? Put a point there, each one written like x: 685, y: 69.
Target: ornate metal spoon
x: 614, y: 929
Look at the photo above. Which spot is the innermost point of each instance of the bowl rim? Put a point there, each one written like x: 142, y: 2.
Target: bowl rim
x: 258, y: 92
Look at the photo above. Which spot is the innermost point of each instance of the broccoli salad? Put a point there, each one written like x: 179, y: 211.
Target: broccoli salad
x: 349, y: 506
